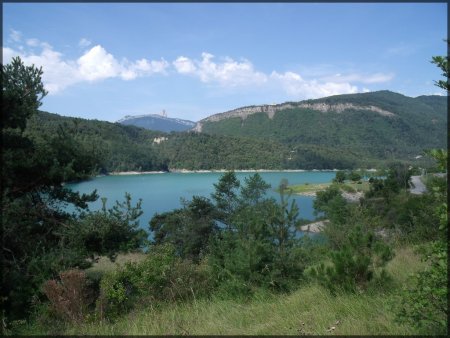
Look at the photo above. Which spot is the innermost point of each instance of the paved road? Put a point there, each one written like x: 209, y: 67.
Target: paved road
x: 419, y: 187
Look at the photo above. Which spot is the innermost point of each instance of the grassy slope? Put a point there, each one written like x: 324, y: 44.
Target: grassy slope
x: 310, y: 310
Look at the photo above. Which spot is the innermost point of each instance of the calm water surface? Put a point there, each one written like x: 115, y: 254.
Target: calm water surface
x: 163, y: 192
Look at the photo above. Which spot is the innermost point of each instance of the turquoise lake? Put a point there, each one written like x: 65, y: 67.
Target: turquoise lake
x: 162, y: 192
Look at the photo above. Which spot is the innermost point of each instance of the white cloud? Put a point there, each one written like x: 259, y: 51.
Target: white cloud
x: 16, y: 36
x: 184, y: 65
x: 98, y: 64
x: 8, y: 54
x: 58, y: 74
x: 84, y: 43
x: 33, y: 42
x: 143, y: 67
x: 228, y: 73
x: 300, y: 88
x: 95, y: 64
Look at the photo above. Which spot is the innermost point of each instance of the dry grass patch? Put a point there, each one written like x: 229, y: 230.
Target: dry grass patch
x: 104, y: 264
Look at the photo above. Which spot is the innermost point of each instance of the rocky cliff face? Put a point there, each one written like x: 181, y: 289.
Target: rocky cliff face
x: 270, y: 110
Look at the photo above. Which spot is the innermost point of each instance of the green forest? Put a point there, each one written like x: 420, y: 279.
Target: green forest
x: 295, y: 138
x: 236, y: 255
x: 112, y: 147
x: 358, y: 137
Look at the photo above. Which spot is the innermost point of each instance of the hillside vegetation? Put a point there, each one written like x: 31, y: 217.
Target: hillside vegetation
x: 295, y: 138
x: 404, y: 128
x: 299, y: 313
x: 234, y: 259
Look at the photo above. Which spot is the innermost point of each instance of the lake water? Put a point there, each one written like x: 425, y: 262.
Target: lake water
x: 162, y: 192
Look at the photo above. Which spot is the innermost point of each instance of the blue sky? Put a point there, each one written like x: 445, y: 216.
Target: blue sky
x: 107, y: 60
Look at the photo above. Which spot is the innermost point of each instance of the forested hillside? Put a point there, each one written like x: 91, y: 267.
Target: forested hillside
x: 113, y: 146
x: 116, y: 147
x: 344, y: 131
x: 375, y: 126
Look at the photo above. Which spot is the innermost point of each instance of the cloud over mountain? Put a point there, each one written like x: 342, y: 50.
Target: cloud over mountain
x: 96, y: 64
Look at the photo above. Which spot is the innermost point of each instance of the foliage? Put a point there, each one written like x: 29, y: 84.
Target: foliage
x: 355, y: 138
x: 40, y: 236
x: 258, y: 248
x: 105, y: 232
x: 442, y: 63
x: 250, y: 239
x: 71, y: 296
x: 332, y: 204
x: 425, y: 304
x: 254, y: 189
x: 162, y: 276
x: 196, y: 151
x: 441, y: 157
x: 225, y: 196
x: 353, y: 266
x: 288, y: 143
x: 22, y: 92
x: 398, y: 178
x: 354, y: 176
x: 341, y: 176
x: 113, y: 147
x: 308, y: 310
x: 187, y: 229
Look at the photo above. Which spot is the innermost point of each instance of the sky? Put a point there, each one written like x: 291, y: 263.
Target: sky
x: 107, y: 60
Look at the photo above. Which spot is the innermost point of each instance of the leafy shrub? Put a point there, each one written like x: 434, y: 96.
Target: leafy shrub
x: 353, y: 266
x: 162, y: 276
x: 187, y: 229
x: 71, y: 296
x: 340, y: 177
x: 260, y: 251
x: 425, y: 304
x: 354, y: 176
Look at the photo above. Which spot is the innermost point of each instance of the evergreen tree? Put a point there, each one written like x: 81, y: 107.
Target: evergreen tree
x: 40, y: 237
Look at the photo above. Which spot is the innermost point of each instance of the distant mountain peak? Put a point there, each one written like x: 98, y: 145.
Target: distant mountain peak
x: 159, y: 122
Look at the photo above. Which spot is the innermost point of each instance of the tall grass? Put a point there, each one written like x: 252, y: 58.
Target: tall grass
x: 104, y: 264
x: 311, y: 310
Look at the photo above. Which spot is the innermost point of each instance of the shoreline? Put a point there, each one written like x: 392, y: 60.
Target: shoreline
x: 186, y: 171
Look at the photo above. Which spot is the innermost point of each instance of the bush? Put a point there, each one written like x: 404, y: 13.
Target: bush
x: 425, y: 304
x: 340, y: 177
x: 347, y: 188
x: 71, y: 296
x: 354, y: 265
x: 162, y: 276
x: 354, y: 176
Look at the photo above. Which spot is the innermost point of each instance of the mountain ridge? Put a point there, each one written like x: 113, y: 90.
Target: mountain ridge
x: 378, y: 125
x: 319, y: 104
x: 157, y: 122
